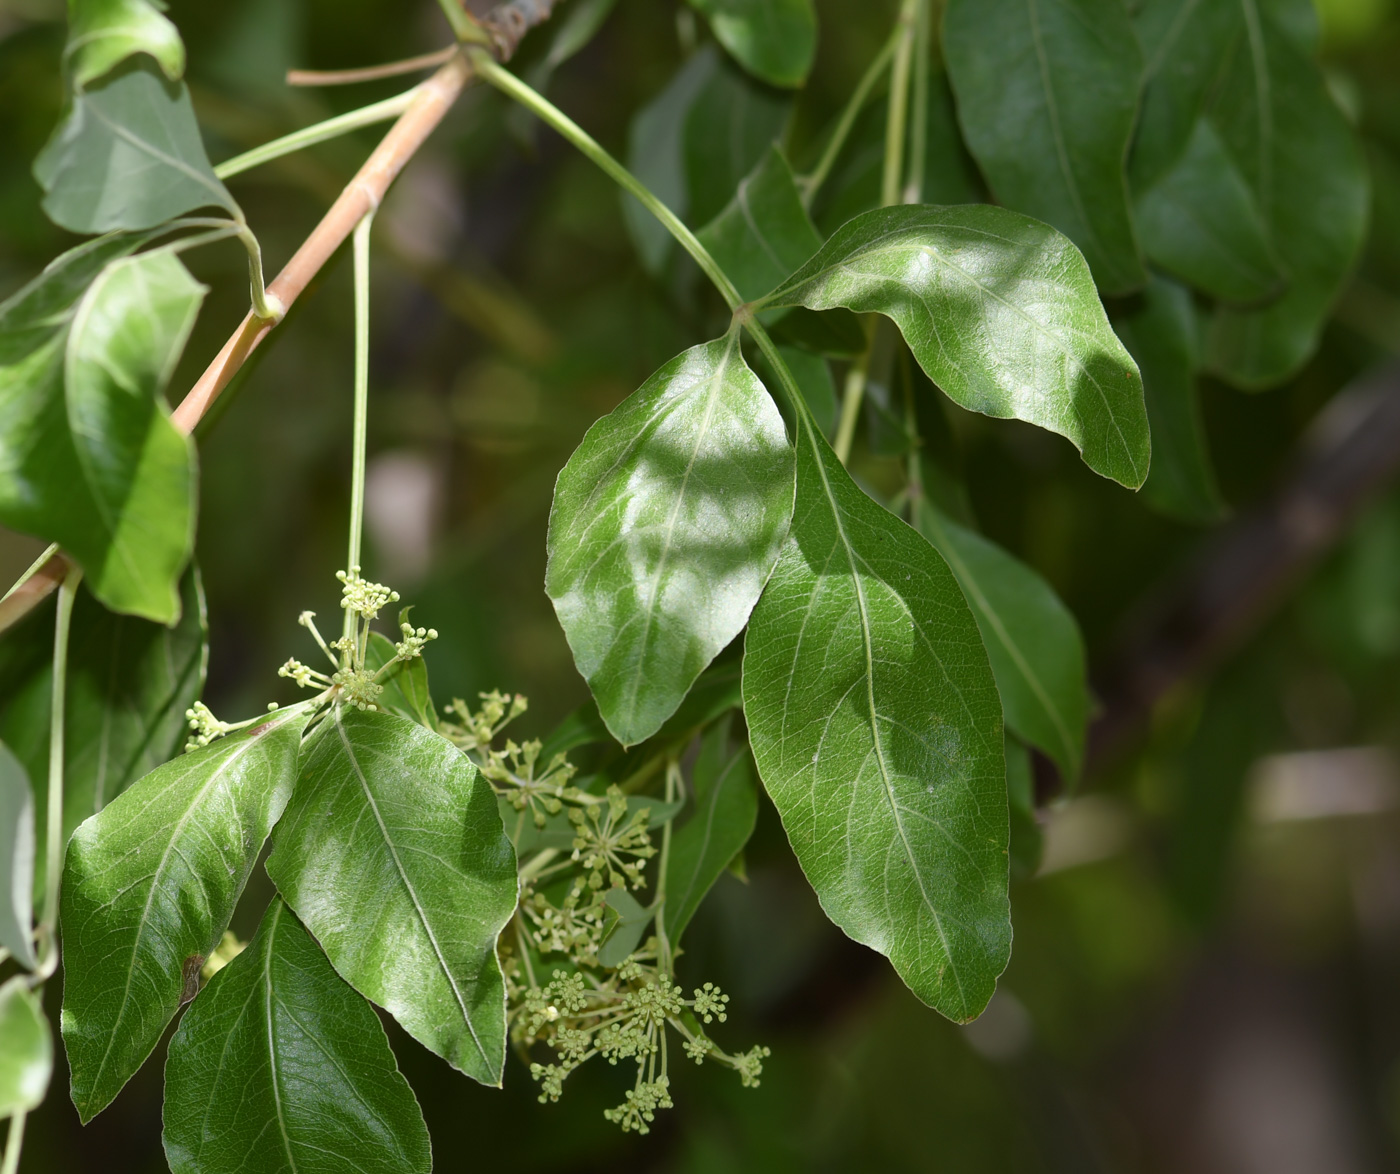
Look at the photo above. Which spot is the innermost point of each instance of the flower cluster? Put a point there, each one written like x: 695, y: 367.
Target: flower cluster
x: 589, y: 851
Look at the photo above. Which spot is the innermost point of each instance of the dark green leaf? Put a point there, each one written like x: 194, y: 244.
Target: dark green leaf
x: 625, y: 930
x: 1047, y: 91
x: 16, y: 860
x: 26, y: 1048
x: 729, y: 127
x: 726, y: 808
x: 1032, y: 639
x: 392, y: 855
x: 1001, y: 313
x: 128, y: 155
x: 150, y: 884
x: 1159, y: 328
x: 666, y: 522
x: 656, y: 156
x: 876, y: 726
x: 280, y: 1067
x: 1200, y: 221
x: 764, y: 233
x: 775, y: 40
x: 405, y: 687
x: 1304, y: 164
x: 129, y: 684
x: 835, y: 333
x: 104, y: 33
x: 88, y: 455
x: 1027, y: 842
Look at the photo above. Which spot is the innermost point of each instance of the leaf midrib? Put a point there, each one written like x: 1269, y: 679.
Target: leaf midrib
x: 863, y: 611
x: 144, y: 920
x: 716, y: 384
x: 408, y: 885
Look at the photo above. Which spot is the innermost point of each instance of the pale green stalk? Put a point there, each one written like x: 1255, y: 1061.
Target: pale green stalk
x: 673, y: 770
x: 357, y: 475
x: 897, y: 123
x: 14, y: 1143
x: 309, y: 136
x: 53, y: 860
x: 547, y: 112
x: 918, y: 120
x: 813, y: 181
x: 29, y: 574
x: 463, y: 27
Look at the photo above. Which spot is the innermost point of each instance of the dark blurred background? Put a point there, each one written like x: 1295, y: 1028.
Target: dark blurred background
x: 1206, y: 974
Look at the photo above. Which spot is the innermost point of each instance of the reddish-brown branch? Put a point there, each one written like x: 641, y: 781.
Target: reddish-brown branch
x: 361, y: 196
x: 370, y: 73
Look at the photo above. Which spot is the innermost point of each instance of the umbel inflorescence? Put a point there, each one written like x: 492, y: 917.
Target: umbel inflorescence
x: 608, y: 993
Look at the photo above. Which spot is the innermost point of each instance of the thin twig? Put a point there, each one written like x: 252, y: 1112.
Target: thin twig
x: 370, y: 73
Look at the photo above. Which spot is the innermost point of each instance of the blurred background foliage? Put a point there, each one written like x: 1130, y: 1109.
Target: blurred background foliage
x: 1206, y: 963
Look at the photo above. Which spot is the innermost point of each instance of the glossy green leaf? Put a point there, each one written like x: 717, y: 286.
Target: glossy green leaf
x: 1159, y: 328
x: 628, y: 921
x: 129, y: 684
x: 656, y: 156
x: 26, y: 1048
x: 392, y: 855
x: 406, y: 685
x: 666, y: 522
x: 16, y: 860
x: 104, y: 33
x: 1032, y: 639
x: 280, y: 1067
x: 1000, y: 312
x: 876, y: 726
x: 1047, y: 91
x: 128, y: 155
x: 764, y: 233
x: 1303, y: 161
x: 726, y: 809
x: 729, y: 128
x: 775, y: 40
x: 149, y: 886
x: 1200, y: 222
x: 88, y: 455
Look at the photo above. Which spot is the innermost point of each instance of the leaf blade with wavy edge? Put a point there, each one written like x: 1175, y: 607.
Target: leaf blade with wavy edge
x: 1200, y: 222
x: 1031, y: 638
x: 128, y: 155
x: 151, y: 882
x: 279, y: 1066
x: 665, y: 524
x: 775, y: 40
x: 764, y: 232
x: 726, y: 809
x: 1000, y: 312
x: 1160, y: 330
x: 103, y: 33
x: 392, y: 854
x: 1047, y: 93
x: 871, y: 707
x: 26, y: 1048
x: 89, y: 456
x: 16, y: 860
